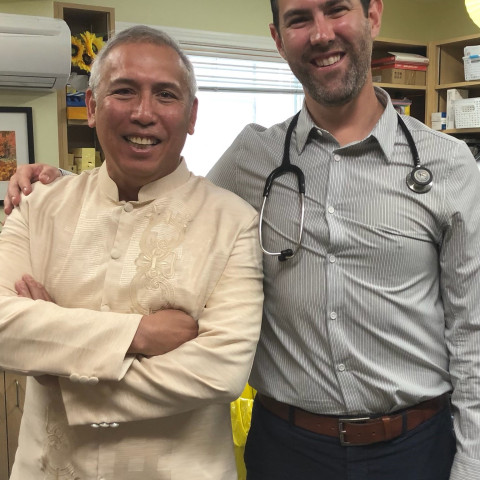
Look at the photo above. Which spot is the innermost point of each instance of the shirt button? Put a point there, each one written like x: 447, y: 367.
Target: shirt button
x: 331, y: 210
x: 83, y: 379
x: 128, y: 207
x: 332, y: 258
x: 341, y: 367
x: 336, y: 158
x: 74, y: 377
x: 115, y: 254
x: 92, y: 381
x: 333, y: 315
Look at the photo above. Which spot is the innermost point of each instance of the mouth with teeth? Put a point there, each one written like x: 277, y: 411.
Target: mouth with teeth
x: 142, y: 142
x: 327, y: 61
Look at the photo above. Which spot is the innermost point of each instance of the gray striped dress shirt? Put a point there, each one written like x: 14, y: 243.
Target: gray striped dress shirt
x: 380, y: 309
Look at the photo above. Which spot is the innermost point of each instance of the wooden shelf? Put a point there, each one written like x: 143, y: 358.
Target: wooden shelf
x: 416, y: 93
x: 101, y: 21
x: 448, y: 72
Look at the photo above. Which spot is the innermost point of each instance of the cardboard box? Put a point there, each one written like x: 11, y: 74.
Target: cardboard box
x: 399, y: 76
x: 77, y: 113
x: 471, y: 50
x: 84, y: 158
x: 439, y: 120
x: 453, y: 94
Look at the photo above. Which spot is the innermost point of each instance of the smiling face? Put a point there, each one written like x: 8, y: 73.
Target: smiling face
x: 328, y: 45
x: 142, y: 112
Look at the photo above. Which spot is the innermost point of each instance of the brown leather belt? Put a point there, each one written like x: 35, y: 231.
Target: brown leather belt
x: 357, y: 431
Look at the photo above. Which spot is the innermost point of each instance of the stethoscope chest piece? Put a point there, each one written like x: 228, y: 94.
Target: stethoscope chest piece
x: 420, y: 180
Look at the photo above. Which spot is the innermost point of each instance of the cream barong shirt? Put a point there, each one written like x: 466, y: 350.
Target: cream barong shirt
x: 91, y: 411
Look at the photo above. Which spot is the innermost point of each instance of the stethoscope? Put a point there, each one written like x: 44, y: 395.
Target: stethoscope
x: 419, y: 180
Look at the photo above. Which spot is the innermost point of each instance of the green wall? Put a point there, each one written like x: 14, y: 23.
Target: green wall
x: 417, y: 20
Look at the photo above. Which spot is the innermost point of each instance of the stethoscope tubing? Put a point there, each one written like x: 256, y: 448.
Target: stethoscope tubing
x: 419, y: 180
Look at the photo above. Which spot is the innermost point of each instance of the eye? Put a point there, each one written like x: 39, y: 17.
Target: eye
x: 337, y: 11
x: 296, y: 21
x: 123, y: 92
x: 166, y: 95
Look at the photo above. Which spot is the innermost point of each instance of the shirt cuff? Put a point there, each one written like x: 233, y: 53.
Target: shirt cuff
x: 465, y: 468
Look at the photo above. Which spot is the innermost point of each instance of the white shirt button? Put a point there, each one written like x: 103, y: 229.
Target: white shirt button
x: 128, y: 207
x: 74, y: 377
x: 337, y: 157
x: 341, y: 367
x: 94, y: 425
x: 104, y: 425
x: 92, y: 381
x: 333, y: 315
x: 83, y: 379
x: 331, y: 209
x: 114, y: 425
x: 332, y: 258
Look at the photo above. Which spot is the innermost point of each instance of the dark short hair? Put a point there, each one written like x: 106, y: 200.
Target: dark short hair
x: 276, y: 18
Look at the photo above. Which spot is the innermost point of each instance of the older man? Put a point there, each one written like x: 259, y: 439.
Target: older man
x: 156, y: 287
x: 373, y: 326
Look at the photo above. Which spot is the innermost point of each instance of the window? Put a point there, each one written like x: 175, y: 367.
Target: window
x: 233, y: 93
x: 242, y: 79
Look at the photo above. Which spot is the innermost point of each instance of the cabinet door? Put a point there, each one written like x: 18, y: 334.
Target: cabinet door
x: 15, y: 398
x: 3, y: 431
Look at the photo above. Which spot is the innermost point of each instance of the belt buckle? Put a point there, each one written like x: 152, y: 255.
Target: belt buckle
x: 342, y: 431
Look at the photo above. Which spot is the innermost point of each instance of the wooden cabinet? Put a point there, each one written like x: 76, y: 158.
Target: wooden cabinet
x: 12, y: 398
x: 74, y: 133
x: 446, y: 59
x: 416, y: 93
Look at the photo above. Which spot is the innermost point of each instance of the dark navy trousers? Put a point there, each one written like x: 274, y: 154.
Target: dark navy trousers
x: 277, y: 450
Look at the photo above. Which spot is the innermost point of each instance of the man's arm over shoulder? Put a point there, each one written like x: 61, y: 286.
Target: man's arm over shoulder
x: 21, y: 182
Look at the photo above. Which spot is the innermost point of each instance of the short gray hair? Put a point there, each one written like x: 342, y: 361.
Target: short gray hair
x: 141, y: 34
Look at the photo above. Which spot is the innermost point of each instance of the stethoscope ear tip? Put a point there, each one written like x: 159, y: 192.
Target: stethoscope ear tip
x: 285, y: 255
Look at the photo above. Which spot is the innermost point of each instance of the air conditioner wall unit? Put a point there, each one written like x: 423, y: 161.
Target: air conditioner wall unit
x: 35, y: 52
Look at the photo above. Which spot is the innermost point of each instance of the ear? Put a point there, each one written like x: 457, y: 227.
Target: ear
x: 375, y: 11
x: 278, y: 40
x: 91, y: 107
x: 193, y: 117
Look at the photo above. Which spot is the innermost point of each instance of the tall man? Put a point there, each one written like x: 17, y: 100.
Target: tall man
x: 157, y: 309
x: 376, y: 319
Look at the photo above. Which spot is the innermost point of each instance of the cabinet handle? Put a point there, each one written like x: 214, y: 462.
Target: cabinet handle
x: 17, y: 391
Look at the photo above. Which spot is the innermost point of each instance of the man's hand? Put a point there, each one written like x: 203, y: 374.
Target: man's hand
x: 162, y: 332
x: 28, y: 287
x: 22, y: 180
x: 157, y: 333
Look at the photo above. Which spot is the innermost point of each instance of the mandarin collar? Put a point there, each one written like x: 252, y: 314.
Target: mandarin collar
x: 151, y: 191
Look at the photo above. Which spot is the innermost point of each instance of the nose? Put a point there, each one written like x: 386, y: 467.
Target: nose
x: 144, y: 109
x: 322, y: 31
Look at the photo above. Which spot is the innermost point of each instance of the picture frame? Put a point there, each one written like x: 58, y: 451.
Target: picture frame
x: 16, y: 142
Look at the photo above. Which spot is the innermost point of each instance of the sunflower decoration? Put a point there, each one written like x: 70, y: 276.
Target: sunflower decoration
x: 77, y: 50
x: 87, y: 45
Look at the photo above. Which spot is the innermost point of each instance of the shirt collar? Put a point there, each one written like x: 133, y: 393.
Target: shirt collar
x: 151, y: 191
x: 383, y: 132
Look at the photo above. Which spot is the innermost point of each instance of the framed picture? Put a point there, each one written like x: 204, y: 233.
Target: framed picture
x: 16, y: 142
